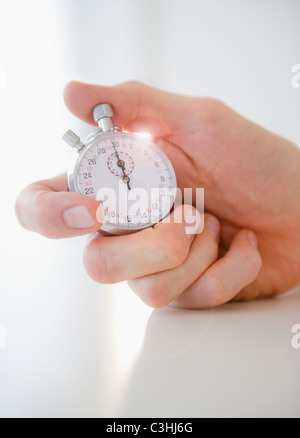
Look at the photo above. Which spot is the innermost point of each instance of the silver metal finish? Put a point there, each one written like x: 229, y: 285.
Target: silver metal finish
x: 106, y: 124
x: 74, y: 186
x: 73, y: 140
x: 102, y: 110
x: 103, y: 115
x: 92, y: 135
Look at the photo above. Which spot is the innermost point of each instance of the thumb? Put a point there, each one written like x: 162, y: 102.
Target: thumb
x: 47, y: 208
x: 137, y: 107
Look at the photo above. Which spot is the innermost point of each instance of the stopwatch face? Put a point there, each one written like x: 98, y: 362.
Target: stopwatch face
x: 130, y: 177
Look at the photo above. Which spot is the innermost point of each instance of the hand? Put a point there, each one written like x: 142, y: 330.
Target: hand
x: 250, y: 246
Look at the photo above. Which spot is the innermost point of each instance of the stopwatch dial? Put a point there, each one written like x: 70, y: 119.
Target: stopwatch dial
x: 130, y: 177
x: 124, y: 160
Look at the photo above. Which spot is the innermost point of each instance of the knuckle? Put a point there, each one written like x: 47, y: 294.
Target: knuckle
x: 23, y: 207
x: 95, y: 263
x: 254, y: 262
x: 19, y: 211
x: 212, y: 249
x: 213, y: 291
x: 176, y: 248
x: 134, y: 83
x: 215, y: 110
x: 152, y: 291
x: 215, y: 106
x: 42, y: 217
x: 155, y: 300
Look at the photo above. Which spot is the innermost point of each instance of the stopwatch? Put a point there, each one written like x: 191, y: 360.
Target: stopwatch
x: 126, y: 173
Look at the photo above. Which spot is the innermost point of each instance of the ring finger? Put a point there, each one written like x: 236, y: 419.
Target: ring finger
x: 160, y: 289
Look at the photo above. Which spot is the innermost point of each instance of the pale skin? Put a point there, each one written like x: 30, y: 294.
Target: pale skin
x: 250, y: 245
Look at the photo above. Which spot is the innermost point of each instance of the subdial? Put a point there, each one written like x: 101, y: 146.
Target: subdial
x: 117, y: 164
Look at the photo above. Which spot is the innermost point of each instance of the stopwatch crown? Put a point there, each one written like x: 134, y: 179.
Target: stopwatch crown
x: 101, y: 111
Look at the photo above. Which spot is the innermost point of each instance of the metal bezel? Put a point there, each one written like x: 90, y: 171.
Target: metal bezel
x: 72, y: 178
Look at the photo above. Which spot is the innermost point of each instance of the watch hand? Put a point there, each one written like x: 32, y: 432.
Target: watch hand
x: 115, y: 150
x: 125, y: 177
x: 121, y: 164
x: 127, y: 180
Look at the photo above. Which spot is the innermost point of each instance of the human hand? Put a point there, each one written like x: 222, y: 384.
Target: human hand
x: 251, y: 179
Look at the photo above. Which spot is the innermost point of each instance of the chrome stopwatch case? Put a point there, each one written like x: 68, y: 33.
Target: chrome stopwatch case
x: 130, y: 177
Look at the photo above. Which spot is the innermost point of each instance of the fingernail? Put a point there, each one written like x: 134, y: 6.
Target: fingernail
x: 213, y: 226
x: 192, y: 220
x: 78, y: 217
x: 252, y: 239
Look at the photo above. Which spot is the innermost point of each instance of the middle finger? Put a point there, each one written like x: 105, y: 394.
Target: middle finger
x: 110, y: 259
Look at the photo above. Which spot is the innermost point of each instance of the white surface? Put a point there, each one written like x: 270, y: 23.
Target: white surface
x: 77, y: 348
x: 232, y: 361
x: 89, y: 356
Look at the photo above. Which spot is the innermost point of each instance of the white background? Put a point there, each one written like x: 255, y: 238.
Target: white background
x: 78, y: 348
